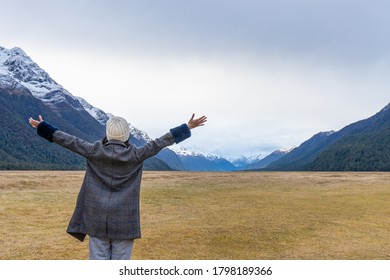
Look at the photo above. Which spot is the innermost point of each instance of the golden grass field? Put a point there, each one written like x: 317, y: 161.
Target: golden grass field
x: 214, y: 216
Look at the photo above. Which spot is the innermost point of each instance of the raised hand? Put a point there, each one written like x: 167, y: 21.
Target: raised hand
x: 193, y: 123
x: 35, y: 123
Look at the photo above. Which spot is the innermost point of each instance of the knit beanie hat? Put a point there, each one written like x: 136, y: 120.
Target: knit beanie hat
x: 117, y: 128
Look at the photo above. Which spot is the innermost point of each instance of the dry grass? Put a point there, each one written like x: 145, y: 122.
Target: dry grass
x: 211, y: 216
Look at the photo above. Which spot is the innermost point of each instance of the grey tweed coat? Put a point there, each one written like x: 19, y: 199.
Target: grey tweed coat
x: 108, y: 204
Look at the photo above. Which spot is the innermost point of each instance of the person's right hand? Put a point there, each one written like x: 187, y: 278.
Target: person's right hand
x: 35, y: 123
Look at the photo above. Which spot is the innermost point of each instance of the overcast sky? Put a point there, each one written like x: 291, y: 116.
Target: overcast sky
x: 268, y: 74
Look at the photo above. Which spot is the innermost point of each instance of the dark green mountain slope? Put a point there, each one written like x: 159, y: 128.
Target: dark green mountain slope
x: 22, y: 148
x: 300, y: 158
x: 361, y: 146
x: 367, y: 149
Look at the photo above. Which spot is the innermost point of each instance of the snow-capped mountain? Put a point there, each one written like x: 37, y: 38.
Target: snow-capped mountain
x: 27, y: 90
x: 182, y: 151
x: 15, y: 64
x: 97, y: 113
x: 18, y: 69
x: 264, y: 162
x: 242, y: 161
x: 20, y: 75
x: 139, y: 134
x: 198, y: 161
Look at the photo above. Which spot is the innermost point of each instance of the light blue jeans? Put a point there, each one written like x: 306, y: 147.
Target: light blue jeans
x: 106, y: 249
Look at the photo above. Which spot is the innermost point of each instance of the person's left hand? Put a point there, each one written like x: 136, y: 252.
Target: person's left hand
x: 35, y: 123
x: 193, y: 123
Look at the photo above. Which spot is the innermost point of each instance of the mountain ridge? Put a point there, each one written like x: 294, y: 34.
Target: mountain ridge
x: 358, y: 146
x: 21, y: 79
x: 26, y: 90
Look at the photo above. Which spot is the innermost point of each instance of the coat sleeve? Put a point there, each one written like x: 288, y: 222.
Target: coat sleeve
x: 175, y: 135
x: 70, y: 142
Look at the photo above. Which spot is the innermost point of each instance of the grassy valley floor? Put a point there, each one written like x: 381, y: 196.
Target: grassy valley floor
x: 188, y: 215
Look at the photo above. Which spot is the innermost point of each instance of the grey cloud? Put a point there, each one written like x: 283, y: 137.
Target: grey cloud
x: 347, y: 30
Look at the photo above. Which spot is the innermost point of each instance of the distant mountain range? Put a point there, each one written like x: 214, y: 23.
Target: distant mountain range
x: 26, y: 90
x: 196, y: 161
x: 263, y: 163
x: 243, y: 161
